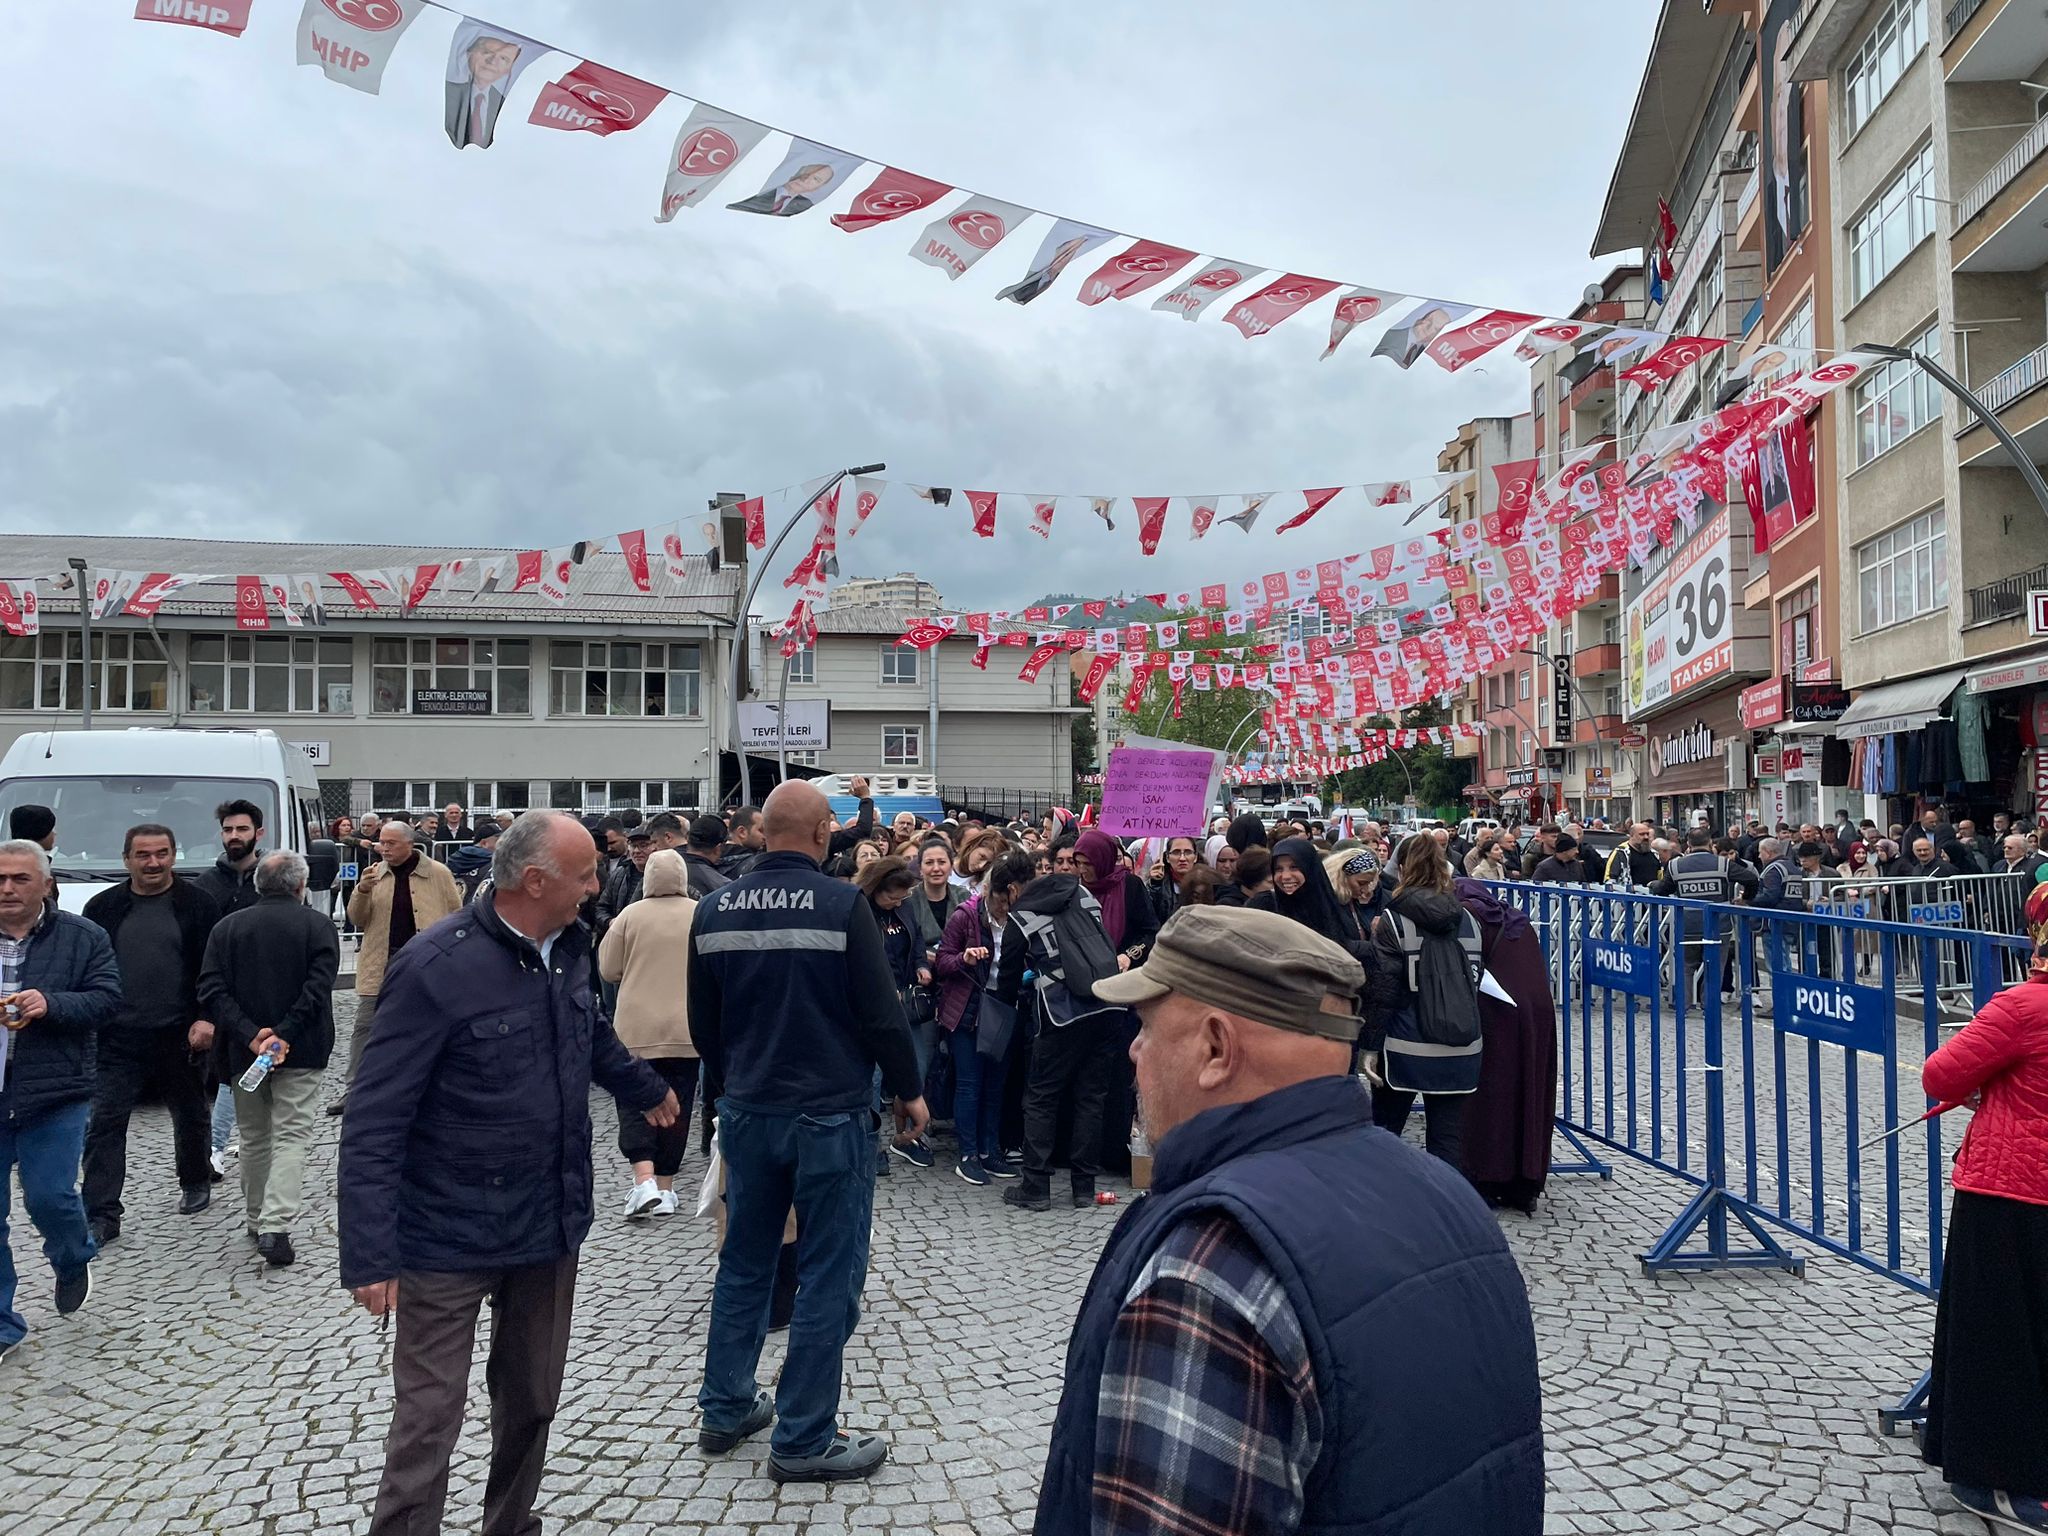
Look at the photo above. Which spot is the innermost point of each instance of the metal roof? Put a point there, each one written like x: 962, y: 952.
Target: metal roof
x: 599, y: 587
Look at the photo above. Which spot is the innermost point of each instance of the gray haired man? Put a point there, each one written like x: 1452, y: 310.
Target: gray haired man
x: 268, y: 982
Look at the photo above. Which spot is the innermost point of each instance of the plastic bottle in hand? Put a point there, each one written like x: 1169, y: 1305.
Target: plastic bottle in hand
x: 260, y: 1068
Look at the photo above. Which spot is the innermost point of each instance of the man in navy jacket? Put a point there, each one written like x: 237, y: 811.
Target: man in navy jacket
x: 465, y: 1166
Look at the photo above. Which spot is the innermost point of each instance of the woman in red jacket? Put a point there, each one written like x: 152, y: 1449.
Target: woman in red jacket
x: 1987, y: 1409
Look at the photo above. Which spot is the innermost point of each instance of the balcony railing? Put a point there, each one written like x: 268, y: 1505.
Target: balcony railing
x: 1592, y: 660
x: 1590, y: 385
x: 2015, y: 160
x: 2005, y: 598
x: 2023, y: 377
x: 1959, y: 15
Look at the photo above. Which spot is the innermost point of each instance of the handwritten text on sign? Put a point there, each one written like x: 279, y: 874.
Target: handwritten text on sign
x: 1148, y: 792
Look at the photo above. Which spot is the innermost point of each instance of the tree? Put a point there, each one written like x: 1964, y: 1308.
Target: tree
x: 1085, y: 744
x: 1437, y: 780
x: 1214, y: 718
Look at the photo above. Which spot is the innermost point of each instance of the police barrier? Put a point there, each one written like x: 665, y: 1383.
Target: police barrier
x: 1747, y: 1052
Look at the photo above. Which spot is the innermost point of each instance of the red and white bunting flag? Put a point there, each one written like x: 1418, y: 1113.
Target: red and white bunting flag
x: 1551, y: 335
x: 1389, y: 493
x: 151, y: 590
x: 1248, y: 509
x: 592, y: 98
x: 867, y: 495
x: 1201, y: 513
x: 251, y: 610
x: 1515, y: 481
x: 1042, y: 509
x: 12, y: 616
x: 756, y: 522
x: 1473, y: 340
x: 1354, y: 307
x: 890, y: 196
x: 1621, y: 343
x: 1312, y: 502
x: 955, y: 241
x: 1197, y: 293
x: 224, y: 16
x: 352, y: 584
x: 1098, y: 669
x: 671, y: 552
x: 1145, y: 264
x: 1151, y: 520
x: 708, y: 145
x: 1669, y: 361
x: 923, y: 634
x: 558, y: 567
x: 278, y: 589
x: 1417, y: 331
x: 1282, y: 297
x: 1102, y: 506
x: 983, y: 506
x: 351, y: 40
x: 633, y: 545
x: 1035, y: 663
x: 1064, y: 244
x: 419, y: 581
x: 809, y: 173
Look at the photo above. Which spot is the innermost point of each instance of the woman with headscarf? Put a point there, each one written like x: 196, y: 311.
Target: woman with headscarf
x: 1126, y: 909
x: 1176, y: 864
x: 1355, y: 875
x: 1246, y: 831
x: 1506, y: 1142
x: 1301, y: 891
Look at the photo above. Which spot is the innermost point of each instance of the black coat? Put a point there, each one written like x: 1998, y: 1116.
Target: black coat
x: 271, y: 966
x: 195, y: 911
x: 232, y: 889
x: 50, y: 1060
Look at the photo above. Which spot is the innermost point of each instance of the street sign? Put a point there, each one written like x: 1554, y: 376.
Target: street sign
x: 2037, y: 613
x: 1632, y: 741
x: 348, y: 872
x: 1946, y: 913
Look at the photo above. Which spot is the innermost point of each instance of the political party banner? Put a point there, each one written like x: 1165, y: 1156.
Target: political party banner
x: 955, y: 241
x: 351, y: 40
x: 484, y: 62
x: 1468, y: 343
x: 890, y: 196
x: 12, y: 618
x: 1215, y: 279
x: 593, y: 99
x: 252, y: 608
x: 1158, y: 788
x: 1064, y: 243
x: 228, y: 17
x: 808, y: 175
x: 1408, y: 338
x: 1143, y: 265
x: 708, y: 145
x: 1355, y: 306
x: 1282, y: 297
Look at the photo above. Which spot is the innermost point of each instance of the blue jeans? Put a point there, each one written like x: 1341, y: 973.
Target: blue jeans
x: 47, y: 1151
x: 977, y: 1096
x: 223, y: 1118
x: 824, y: 1165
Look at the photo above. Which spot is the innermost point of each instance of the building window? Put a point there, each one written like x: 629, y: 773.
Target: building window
x: 625, y: 677
x: 899, y: 665
x: 48, y: 671
x: 501, y: 795
x: 806, y: 757
x: 1798, y: 627
x: 902, y: 746
x: 1527, y: 683
x: 1902, y: 574
x: 802, y: 667
x: 1610, y: 629
x: 401, y: 667
x: 1886, y: 232
x: 1543, y: 711
x: 1891, y: 45
x: 271, y: 674
x: 1897, y: 400
x: 388, y: 795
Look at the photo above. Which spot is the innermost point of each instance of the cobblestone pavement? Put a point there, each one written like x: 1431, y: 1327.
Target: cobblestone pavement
x: 201, y: 1392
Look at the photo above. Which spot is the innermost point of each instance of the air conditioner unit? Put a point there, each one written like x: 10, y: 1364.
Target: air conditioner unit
x: 1738, y: 764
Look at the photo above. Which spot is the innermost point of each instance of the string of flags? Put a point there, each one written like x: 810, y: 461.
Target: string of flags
x: 351, y: 42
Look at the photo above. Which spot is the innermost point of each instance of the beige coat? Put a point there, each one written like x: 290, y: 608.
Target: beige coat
x: 644, y: 952
x: 435, y: 895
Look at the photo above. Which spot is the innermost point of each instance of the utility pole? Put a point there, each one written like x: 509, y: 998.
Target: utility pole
x: 2029, y: 470
x: 84, y: 575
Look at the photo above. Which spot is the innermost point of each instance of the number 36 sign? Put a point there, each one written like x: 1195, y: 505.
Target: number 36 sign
x: 1680, y: 630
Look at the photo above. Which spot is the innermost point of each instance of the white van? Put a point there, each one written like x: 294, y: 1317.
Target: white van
x: 101, y: 783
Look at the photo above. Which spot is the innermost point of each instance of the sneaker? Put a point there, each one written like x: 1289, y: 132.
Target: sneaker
x: 8, y: 1347
x: 969, y: 1168
x: 2013, y: 1512
x: 276, y: 1248
x: 337, y: 1107
x: 882, y: 1169
x: 1083, y: 1197
x: 104, y: 1230
x: 915, y: 1153
x: 759, y: 1417
x: 1027, y: 1199
x: 642, y: 1200
x: 197, y: 1197
x: 845, y: 1457
x: 665, y: 1205
x: 72, y: 1293
x: 216, y: 1164
x: 999, y: 1167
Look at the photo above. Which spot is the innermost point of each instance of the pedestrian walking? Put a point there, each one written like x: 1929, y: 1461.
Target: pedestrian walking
x: 466, y: 1168
x: 268, y: 985
x: 1987, y: 1401
x: 792, y: 1009
x: 886, y: 885
x: 158, y: 923
x: 1299, y: 1292
x: 59, y: 985
x: 645, y: 954
x: 397, y: 899
x: 231, y: 882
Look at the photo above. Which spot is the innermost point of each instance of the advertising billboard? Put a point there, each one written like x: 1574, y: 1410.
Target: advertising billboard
x: 1679, y: 630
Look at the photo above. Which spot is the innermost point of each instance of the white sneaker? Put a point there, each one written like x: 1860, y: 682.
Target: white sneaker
x: 642, y: 1200
x: 219, y: 1160
x: 665, y: 1204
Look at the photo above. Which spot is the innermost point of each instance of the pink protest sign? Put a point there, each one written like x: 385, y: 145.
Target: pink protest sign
x: 1157, y: 791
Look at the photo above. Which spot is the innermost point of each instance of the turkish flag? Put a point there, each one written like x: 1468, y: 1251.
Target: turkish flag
x: 1469, y: 342
x: 983, y: 504
x: 756, y: 521
x: 593, y: 99
x: 1133, y: 271
x: 1275, y: 302
x: 252, y: 610
x: 890, y: 196
x: 1151, y: 520
x: 633, y: 546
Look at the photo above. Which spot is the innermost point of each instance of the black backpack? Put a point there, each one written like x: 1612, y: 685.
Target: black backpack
x: 1069, y: 952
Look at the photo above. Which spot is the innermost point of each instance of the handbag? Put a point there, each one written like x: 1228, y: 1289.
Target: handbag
x: 920, y: 1003
x: 994, y: 1028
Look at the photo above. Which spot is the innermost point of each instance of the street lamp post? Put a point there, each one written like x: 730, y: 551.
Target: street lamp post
x: 79, y: 567
x: 2029, y: 471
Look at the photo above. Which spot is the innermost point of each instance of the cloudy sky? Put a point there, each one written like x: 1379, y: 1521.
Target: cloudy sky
x: 244, y: 302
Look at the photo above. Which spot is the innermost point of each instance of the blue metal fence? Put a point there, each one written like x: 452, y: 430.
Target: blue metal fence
x: 1763, y: 1057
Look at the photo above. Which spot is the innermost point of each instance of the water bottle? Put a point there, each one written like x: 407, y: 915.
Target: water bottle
x: 260, y: 1068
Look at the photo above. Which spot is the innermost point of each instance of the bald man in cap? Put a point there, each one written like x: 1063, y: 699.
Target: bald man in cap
x: 1307, y: 1318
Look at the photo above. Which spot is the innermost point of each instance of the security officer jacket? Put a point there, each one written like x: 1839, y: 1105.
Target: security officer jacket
x: 792, y: 1006
x: 1701, y: 875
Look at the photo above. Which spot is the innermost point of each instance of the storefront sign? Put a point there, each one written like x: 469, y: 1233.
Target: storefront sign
x: 1680, y: 628
x: 1694, y: 744
x: 1561, y: 697
x: 318, y: 753
x: 2040, y: 757
x: 804, y: 725
x: 2037, y: 613
x: 1689, y: 747
x: 2020, y: 674
x: 451, y: 701
x: 1801, y: 765
x: 1621, y: 967
x: 1599, y: 783
x: 1521, y: 778
x: 1767, y: 765
x: 1819, y: 701
x: 1833, y: 1012
x: 1762, y: 704
x: 1821, y: 671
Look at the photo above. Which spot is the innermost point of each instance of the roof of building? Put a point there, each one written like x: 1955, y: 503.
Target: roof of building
x: 869, y: 619
x: 600, y: 586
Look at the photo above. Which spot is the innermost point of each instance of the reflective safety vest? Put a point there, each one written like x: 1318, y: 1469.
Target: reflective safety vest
x: 1701, y: 876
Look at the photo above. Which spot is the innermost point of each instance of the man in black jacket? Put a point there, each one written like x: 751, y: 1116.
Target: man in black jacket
x: 158, y: 923
x: 792, y: 1009
x: 700, y: 856
x: 231, y: 882
x: 268, y: 981
x: 1564, y: 866
x: 58, y: 984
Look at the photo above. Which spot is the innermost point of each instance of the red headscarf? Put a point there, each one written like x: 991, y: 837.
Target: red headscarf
x: 1098, y: 854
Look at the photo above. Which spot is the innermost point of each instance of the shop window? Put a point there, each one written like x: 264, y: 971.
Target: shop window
x: 48, y: 671
x: 402, y: 666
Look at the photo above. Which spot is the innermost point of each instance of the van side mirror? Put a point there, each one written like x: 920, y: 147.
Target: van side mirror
x: 322, y: 864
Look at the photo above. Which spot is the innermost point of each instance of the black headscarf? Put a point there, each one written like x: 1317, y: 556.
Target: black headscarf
x: 1247, y: 831
x: 1315, y: 904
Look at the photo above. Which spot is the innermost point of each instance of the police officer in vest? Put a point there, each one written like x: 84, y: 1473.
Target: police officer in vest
x: 1699, y: 874
x: 1306, y: 1318
x: 792, y: 1008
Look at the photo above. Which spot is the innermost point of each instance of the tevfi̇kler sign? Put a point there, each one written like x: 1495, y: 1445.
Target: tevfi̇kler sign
x: 802, y: 726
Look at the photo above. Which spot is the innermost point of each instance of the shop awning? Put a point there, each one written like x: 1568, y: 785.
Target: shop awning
x: 1892, y: 707
x: 2027, y: 672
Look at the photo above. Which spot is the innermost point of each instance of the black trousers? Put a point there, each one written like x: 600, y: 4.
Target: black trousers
x: 1071, y: 1063
x: 530, y: 1309
x: 640, y: 1142
x: 1443, y: 1123
x: 131, y: 1060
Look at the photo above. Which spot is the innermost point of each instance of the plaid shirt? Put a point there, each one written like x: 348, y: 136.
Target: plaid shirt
x: 1208, y: 1420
